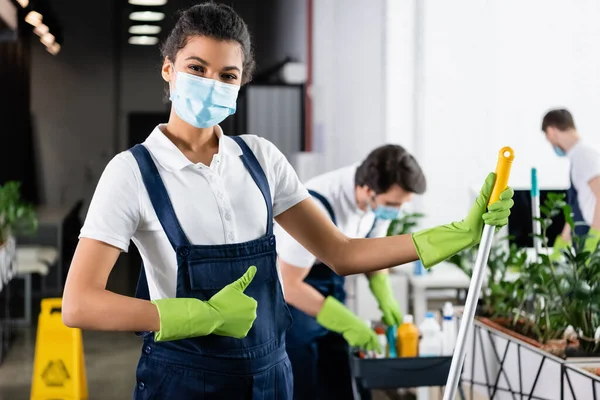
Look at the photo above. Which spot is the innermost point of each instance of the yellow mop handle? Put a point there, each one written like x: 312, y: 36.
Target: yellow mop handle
x: 505, y: 159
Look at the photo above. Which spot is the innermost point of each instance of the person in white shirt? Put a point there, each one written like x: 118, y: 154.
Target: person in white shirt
x: 200, y: 207
x: 361, y: 200
x: 584, y: 191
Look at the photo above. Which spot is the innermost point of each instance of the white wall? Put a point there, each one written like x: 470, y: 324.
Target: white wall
x: 348, y: 81
x: 72, y: 97
x: 486, y: 74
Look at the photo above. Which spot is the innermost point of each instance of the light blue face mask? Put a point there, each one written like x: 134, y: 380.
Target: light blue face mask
x: 559, y: 152
x: 386, y: 212
x: 203, y: 102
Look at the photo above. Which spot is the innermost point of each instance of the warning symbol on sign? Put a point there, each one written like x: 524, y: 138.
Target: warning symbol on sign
x: 55, y: 374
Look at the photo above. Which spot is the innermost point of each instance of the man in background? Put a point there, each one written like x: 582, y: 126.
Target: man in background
x: 360, y: 200
x: 584, y: 193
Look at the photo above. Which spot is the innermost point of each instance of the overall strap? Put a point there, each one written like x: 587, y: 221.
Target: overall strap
x: 159, y: 197
x: 372, y: 228
x: 325, y: 203
x: 257, y: 173
x: 572, y: 200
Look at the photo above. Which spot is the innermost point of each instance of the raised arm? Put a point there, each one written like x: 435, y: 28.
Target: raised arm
x: 351, y: 256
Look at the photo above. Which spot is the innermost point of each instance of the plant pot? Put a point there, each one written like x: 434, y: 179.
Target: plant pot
x: 556, y: 347
x: 574, y: 350
x: 7, y: 256
x: 499, y: 324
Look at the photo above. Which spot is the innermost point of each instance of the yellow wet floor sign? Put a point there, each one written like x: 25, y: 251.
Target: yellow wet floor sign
x: 59, y: 367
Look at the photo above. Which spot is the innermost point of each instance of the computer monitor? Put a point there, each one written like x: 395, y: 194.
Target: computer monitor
x: 520, y: 224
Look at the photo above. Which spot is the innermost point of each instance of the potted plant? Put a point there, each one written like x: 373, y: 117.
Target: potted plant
x: 403, y: 224
x: 16, y: 218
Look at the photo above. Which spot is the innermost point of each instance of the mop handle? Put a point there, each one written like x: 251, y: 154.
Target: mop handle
x: 535, y: 212
x: 505, y: 159
x: 506, y: 156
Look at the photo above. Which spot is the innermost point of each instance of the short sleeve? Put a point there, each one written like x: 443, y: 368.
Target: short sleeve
x: 288, y: 189
x: 114, y: 212
x: 587, y: 166
x: 290, y: 250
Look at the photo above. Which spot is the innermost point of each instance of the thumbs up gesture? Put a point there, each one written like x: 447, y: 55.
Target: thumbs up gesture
x: 237, y: 310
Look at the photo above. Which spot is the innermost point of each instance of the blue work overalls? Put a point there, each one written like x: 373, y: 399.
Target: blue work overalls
x: 217, y: 367
x: 572, y: 200
x: 320, y: 357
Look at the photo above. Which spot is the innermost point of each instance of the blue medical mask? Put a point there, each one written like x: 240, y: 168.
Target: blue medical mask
x: 386, y: 212
x: 203, y: 102
x: 559, y: 152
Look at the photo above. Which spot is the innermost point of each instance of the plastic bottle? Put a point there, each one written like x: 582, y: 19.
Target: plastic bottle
x: 391, y: 341
x: 448, y: 330
x: 380, y: 331
x: 418, y: 268
x: 370, y: 353
x: 431, y: 340
x: 408, y: 338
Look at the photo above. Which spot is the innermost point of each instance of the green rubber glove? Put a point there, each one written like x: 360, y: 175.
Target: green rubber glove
x: 337, y: 318
x: 437, y: 244
x: 228, y: 313
x: 591, y: 242
x: 382, y: 290
x: 560, y: 244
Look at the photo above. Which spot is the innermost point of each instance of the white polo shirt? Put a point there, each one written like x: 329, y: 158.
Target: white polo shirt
x: 585, y: 165
x: 338, y: 188
x: 216, y: 204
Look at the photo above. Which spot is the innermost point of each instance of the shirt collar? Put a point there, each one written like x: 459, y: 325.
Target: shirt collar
x: 349, y: 189
x: 172, y: 159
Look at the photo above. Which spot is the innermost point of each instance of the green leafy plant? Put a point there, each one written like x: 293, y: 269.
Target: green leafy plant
x: 16, y: 216
x: 404, y: 224
x: 576, y: 281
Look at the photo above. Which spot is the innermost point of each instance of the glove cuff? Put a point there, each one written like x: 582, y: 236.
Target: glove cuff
x: 591, y: 242
x: 182, y: 318
x: 335, y: 316
x: 380, y: 286
x: 560, y: 243
x: 437, y: 244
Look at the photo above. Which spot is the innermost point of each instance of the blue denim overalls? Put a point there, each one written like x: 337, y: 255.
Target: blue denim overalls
x: 319, y: 356
x: 217, y: 367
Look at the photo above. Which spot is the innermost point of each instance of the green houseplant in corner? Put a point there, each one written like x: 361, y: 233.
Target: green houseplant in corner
x: 16, y: 216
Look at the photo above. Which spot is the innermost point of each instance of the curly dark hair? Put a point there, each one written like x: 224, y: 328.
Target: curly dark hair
x: 213, y: 20
x: 388, y: 165
x: 560, y: 119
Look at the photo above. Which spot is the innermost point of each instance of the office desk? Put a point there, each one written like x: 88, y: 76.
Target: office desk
x: 442, y: 276
x: 51, y: 222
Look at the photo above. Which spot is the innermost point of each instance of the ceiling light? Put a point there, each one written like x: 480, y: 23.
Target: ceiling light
x: 144, y: 29
x: 53, y: 49
x: 148, y: 2
x: 34, y: 18
x: 47, y: 39
x: 143, y: 40
x: 23, y: 3
x: 41, y: 30
x: 146, y: 16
